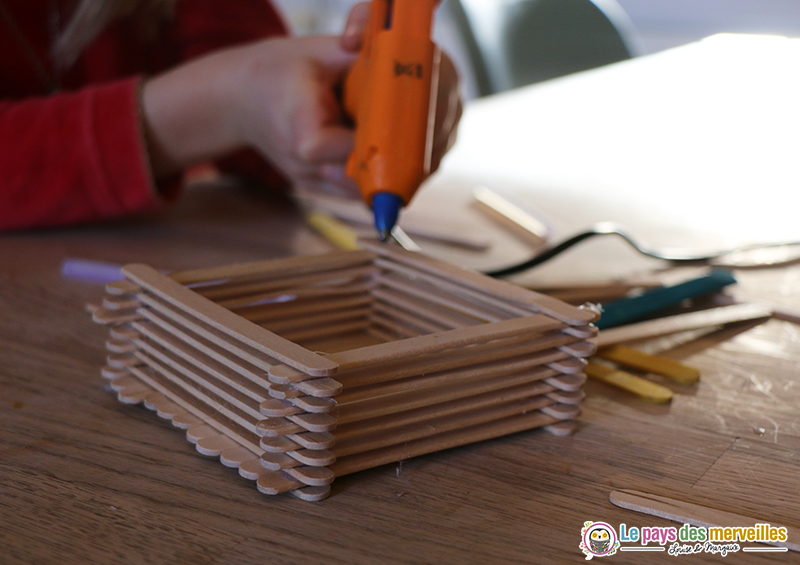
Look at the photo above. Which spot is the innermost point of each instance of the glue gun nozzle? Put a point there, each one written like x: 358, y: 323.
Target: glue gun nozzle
x: 383, y: 236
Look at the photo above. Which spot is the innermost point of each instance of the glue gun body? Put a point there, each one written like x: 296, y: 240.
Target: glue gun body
x: 390, y: 94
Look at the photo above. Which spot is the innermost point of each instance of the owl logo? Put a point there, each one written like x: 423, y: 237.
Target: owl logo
x: 598, y: 539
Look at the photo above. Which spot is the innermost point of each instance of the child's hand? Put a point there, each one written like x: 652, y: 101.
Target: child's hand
x: 276, y: 96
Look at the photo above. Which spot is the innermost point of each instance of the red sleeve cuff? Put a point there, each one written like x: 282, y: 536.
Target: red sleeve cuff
x: 127, y: 184
x: 75, y: 157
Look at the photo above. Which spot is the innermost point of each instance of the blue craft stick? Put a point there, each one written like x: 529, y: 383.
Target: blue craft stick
x: 628, y: 310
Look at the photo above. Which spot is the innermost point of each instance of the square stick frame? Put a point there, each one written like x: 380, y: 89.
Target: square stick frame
x: 299, y: 370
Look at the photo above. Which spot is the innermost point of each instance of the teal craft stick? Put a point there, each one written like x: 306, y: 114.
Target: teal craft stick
x: 628, y: 310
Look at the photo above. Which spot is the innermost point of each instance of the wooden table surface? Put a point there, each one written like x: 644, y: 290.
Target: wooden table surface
x: 85, y: 479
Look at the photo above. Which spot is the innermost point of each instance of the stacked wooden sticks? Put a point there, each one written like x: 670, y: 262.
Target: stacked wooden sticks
x: 300, y: 370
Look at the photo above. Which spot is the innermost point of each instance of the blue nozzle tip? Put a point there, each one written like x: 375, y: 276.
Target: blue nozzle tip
x: 386, y: 207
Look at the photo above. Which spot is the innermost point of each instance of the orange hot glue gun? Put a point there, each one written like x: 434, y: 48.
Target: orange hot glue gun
x: 390, y: 93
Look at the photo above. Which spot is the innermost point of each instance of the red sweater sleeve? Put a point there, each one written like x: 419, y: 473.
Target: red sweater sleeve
x: 73, y: 157
x: 79, y: 155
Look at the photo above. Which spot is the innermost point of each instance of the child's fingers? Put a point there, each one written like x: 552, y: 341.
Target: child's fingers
x: 328, y: 144
x: 356, y: 24
x: 327, y: 53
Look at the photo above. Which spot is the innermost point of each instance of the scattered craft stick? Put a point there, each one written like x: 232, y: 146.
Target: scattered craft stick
x: 651, y: 392
x: 635, y: 359
x: 683, y: 322
x: 336, y: 232
x: 511, y: 216
x: 357, y: 214
x: 695, y: 514
x: 595, y: 292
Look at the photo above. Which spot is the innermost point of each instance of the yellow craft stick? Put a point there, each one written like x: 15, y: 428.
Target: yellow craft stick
x: 635, y: 359
x: 643, y: 388
x: 333, y: 230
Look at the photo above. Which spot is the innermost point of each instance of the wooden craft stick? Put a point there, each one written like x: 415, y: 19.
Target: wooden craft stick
x: 113, y: 373
x: 696, y: 515
x: 324, y: 387
x: 121, y: 361
x: 276, y: 427
x: 401, y: 435
x: 236, y: 457
x: 569, y: 383
x: 326, y: 331
x: 276, y: 268
x: 355, y: 289
x: 455, y: 438
x: 122, y: 332
x: 431, y: 312
x: 595, y: 292
x: 122, y: 287
x: 252, y: 469
x: 499, y: 307
x: 216, y: 421
x: 416, y: 322
x: 254, y: 379
x: 413, y: 347
x: 276, y: 482
x: 565, y: 397
x: 295, y: 442
x: 275, y: 408
x: 470, y: 279
x: 313, y: 476
x: 429, y: 294
x: 641, y: 361
x: 683, y: 322
x: 530, y: 361
x: 569, y: 366
x: 279, y: 444
x: 204, y: 363
x: 120, y: 302
x: 106, y: 316
x: 398, y: 328
x: 234, y: 289
x: 312, y: 494
x: 468, y: 356
x: 214, y: 446
x: 382, y: 335
x: 313, y: 404
x: 120, y: 346
x: 313, y: 440
x: 209, y: 333
x: 233, y: 407
x: 268, y: 313
x: 229, y: 323
x: 510, y: 216
x: 408, y: 400
x: 642, y: 388
x: 385, y: 424
x: 318, y: 320
x: 185, y: 421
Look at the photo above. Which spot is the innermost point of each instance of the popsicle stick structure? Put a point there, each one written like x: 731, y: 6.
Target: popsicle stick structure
x: 300, y: 370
